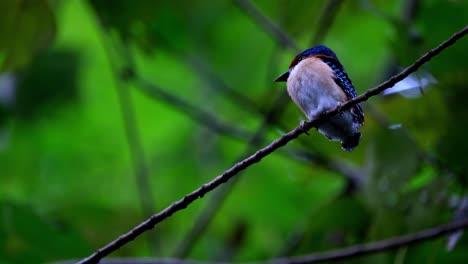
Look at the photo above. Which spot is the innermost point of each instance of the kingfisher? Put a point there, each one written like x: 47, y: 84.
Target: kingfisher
x: 317, y: 82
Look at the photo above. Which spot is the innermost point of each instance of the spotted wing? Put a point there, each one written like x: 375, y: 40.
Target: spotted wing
x: 342, y: 79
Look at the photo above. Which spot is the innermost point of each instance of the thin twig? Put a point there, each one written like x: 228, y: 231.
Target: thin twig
x: 219, y: 85
x: 328, y: 256
x: 373, y: 247
x: 262, y: 153
x: 268, y: 25
x: 203, y: 220
x: 223, y: 128
x: 372, y: 9
x: 410, y: 10
x: 326, y: 19
x: 353, y: 176
x: 207, y: 74
x: 207, y: 215
x: 137, y: 154
x: 191, y: 110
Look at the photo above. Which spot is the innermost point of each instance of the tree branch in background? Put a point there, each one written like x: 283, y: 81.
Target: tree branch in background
x: 328, y: 256
x: 137, y: 154
x: 262, y: 153
x: 218, y: 84
x: 353, y: 177
x: 408, y: 15
x: 207, y: 74
x: 203, y: 220
x: 138, y: 157
x: 374, y: 247
x: 326, y: 19
x: 210, y: 121
x: 206, y: 216
x: 190, y: 110
x: 410, y: 10
x: 266, y: 24
x: 366, y: 4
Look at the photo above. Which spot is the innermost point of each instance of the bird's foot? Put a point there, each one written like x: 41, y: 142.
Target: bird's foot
x: 302, y: 126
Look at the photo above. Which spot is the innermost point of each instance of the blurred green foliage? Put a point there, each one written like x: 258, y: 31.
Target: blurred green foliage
x: 26, y: 27
x: 67, y: 181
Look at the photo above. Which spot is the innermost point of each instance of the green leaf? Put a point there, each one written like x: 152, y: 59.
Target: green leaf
x: 424, y: 177
x: 26, y: 27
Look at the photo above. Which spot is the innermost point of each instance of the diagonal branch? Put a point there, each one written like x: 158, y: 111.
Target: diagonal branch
x: 269, y: 26
x: 218, y: 84
x: 138, y: 157
x: 326, y: 19
x: 328, y: 256
x: 262, y: 153
x: 223, y: 128
x: 325, y: 22
x: 140, y: 167
x: 365, y: 249
x: 354, y: 178
x: 206, y: 216
x: 199, y: 115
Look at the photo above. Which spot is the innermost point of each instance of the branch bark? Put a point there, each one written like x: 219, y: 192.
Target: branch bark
x: 223, y: 128
x: 206, y: 216
x: 379, y: 246
x: 262, y: 153
x: 354, y: 179
x: 328, y: 256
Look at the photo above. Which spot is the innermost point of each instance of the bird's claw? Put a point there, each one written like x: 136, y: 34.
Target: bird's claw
x: 302, y: 126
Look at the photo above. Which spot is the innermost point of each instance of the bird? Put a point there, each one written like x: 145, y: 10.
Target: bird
x: 317, y: 82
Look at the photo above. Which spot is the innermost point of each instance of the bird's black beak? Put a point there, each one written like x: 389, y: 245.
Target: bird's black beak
x: 283, y: 77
